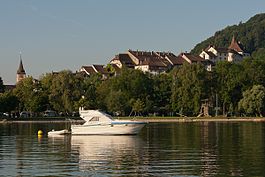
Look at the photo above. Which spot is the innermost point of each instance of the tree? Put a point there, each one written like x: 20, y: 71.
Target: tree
x: 253, y: 101
x: 259, y: 54
x: 162, y: 92
x: 89, y: 87
x: 31, y: 96
x: 2, y: 87
x: 64, y: 90
x: 189, y: 87
x: 137, y: 107
x: 8, y: 101
x: 130, y: 84
x: 230, y: 81
x: 253, y: 72
x: 116, y: 103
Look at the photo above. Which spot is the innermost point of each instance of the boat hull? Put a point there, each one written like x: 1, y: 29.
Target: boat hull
x: 108, y: 129
x: 60, y: 132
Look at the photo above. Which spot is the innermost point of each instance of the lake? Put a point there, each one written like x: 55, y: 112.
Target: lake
x: 161, y: 149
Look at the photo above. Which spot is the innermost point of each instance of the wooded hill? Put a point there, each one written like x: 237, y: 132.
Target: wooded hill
x: 251, y: 34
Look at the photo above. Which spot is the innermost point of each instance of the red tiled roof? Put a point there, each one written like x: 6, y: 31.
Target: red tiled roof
x: 89, y: 69
x: 176, y: 60
x: 100, y: 69
x: 221, y: 50
x: 149, y: 58
x: 211, y: 54
x: 193, y: 58
x: 235, y: 45
x: 124, y: 59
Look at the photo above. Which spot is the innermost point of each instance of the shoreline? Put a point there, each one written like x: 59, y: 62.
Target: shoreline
x: 196, y: 119
x: 75, y: 120
x: 78, y: 120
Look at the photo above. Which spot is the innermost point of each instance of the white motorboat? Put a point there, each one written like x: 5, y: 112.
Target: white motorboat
x: 60, y: 132
x: 100, y: 123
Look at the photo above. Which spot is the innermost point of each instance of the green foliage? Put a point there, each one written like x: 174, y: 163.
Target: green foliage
x: 251, y: 35
x: 116, y: 103
x: 110, y: 69
x: 189, y: 87
x: 253, y: 101
x: 64, y: 90
x: 229, y: 84
x: 31, y: 96
x: 130, y: 84
x: 89, y: 87
x: 132, y: 91
x: 259, y: 54
x: 252, y: 72
x: 2, y: 87
x: 8, y: 102
x: 162, y: 93
x: 137, y: 106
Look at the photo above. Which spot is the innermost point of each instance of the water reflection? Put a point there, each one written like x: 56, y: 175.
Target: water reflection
x: 170, y: 149
x: 95, y: 151
x: 108, y: 155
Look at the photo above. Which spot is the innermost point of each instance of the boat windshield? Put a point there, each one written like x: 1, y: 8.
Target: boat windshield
x: 94, y: 119
x: 105, y: 114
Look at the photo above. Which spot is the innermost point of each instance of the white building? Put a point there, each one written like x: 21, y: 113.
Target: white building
x: 234, y: 53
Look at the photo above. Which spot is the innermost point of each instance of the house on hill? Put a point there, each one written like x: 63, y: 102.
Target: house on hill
x: 234, y: 53
x: 149, y: 61
x: 156, y: 62
x: 146, y: 61
x: 95, y: 69
x: 190, y: 58
x: 121, y: 60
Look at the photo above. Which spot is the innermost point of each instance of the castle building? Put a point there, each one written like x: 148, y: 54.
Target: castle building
x: 234, y: 53
x: 21, y: 74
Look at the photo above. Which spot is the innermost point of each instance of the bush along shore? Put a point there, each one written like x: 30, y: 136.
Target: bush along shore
x: 75, y: 120
x: 195, y: 119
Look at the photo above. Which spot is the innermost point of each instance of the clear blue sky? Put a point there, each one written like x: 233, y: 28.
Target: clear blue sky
x: 54, y: 35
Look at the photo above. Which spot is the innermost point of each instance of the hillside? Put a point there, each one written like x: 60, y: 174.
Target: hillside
x: 251, y: 34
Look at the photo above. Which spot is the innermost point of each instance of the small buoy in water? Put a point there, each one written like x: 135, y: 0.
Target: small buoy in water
x: 40, y: 132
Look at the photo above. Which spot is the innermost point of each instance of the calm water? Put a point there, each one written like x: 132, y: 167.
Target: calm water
x: 164, y: 149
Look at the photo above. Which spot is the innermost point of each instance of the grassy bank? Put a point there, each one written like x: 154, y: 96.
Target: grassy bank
x: 194, y: 119
x: 42, y: 120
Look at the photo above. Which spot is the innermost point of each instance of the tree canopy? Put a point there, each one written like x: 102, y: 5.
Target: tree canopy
x: 253, y: 100
x: 2, y: 87
x: 179, y: 92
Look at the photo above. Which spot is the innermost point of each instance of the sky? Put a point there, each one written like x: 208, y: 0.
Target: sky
x: 55, y: 35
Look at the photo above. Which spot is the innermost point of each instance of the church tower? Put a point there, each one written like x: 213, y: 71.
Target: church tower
x: 21, y: 74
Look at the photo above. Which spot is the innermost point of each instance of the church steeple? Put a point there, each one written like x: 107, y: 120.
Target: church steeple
x: 21, y: 74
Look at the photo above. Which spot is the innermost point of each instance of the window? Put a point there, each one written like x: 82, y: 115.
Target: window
x: 94, y: 119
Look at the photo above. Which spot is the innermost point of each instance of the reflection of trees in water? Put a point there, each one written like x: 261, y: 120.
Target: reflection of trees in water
x: 209, y: 148
x: 205, y: 149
